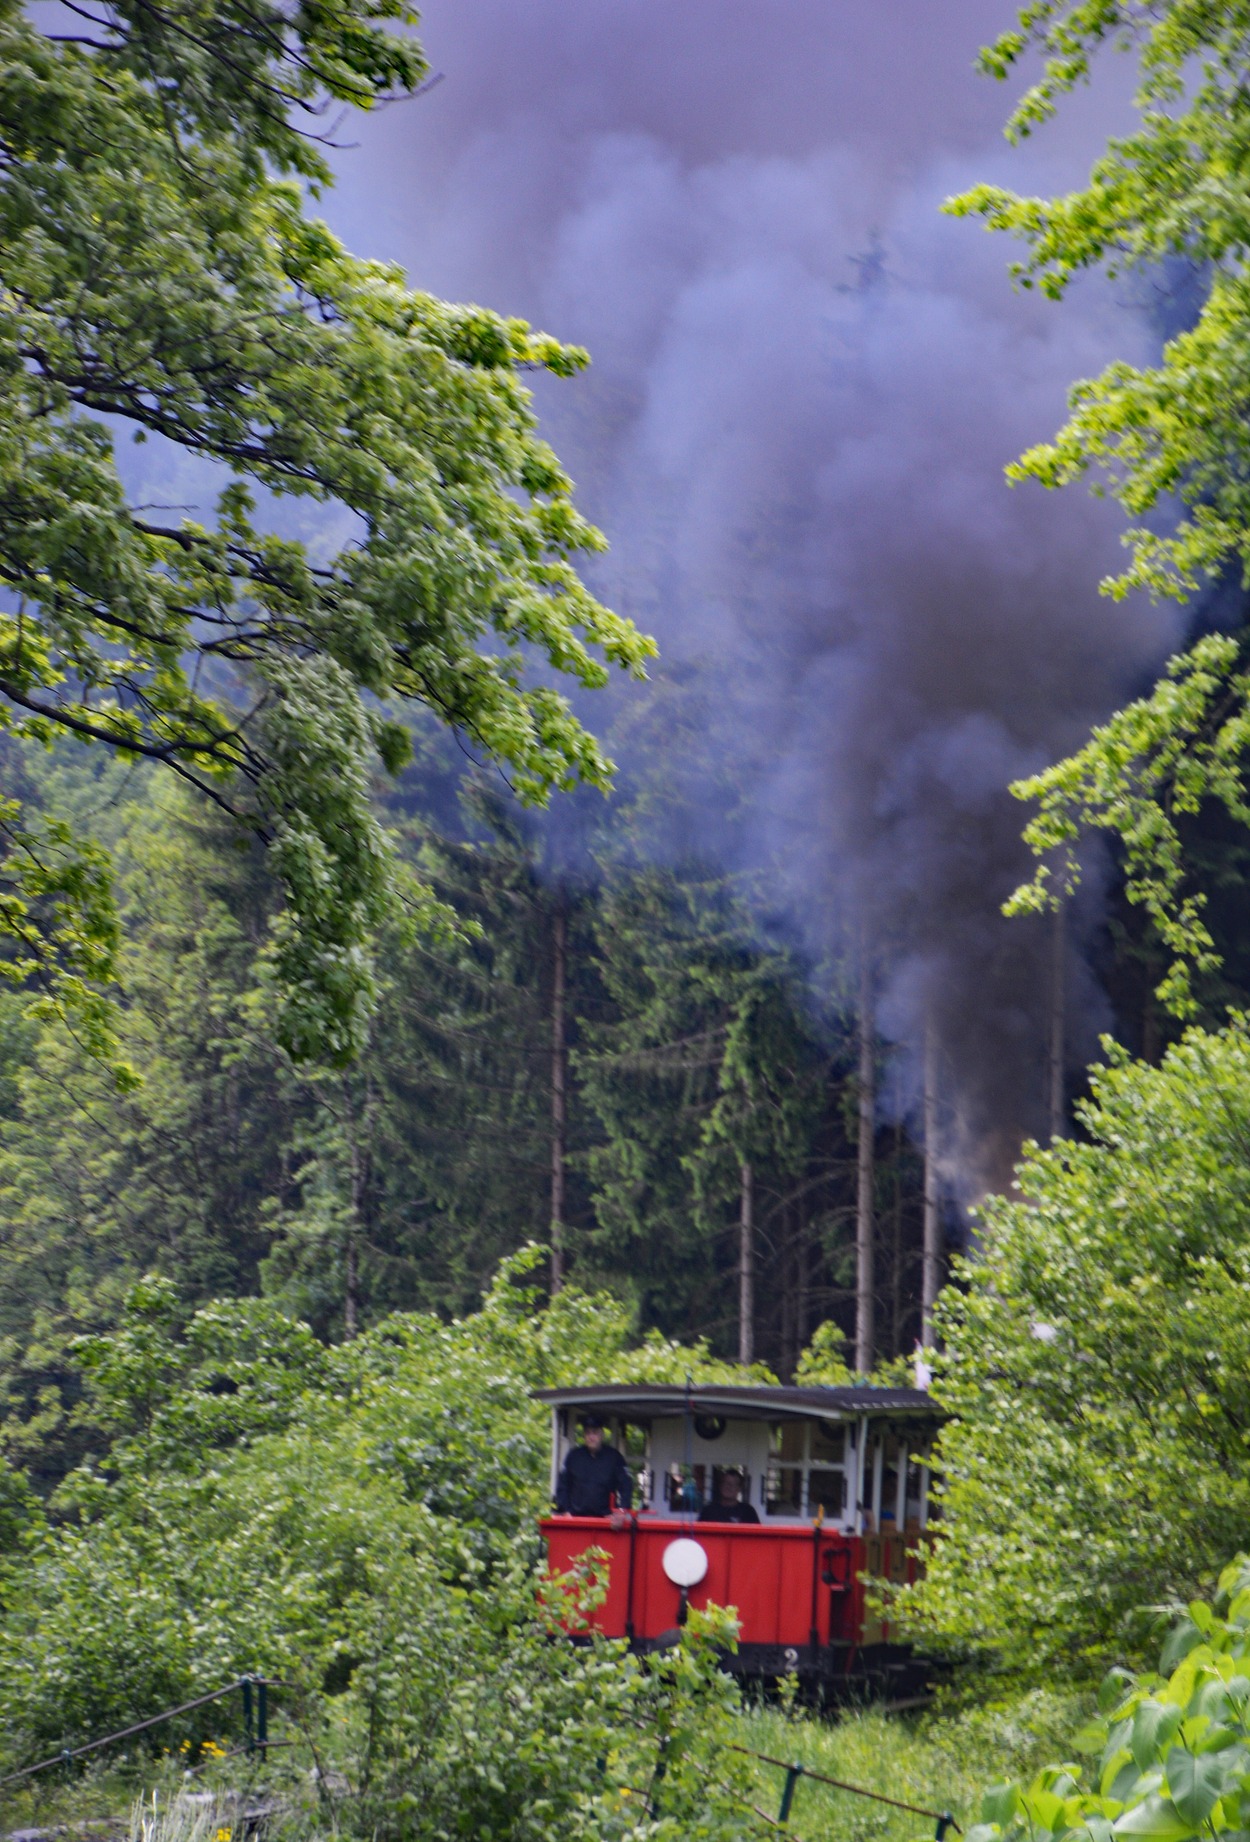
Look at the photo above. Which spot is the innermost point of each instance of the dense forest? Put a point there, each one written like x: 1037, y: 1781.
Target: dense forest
x: 583, y: 1057
x: 583, y: 1051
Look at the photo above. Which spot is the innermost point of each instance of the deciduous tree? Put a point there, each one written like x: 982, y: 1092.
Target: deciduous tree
x: 1096, y: 1368
x: 165, y: 280
x: 1170, y: 440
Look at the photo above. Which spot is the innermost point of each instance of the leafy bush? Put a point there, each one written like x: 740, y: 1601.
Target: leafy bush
x: 1097, y: 1372
x: 1171, y: 1750
x: 359, y: 1522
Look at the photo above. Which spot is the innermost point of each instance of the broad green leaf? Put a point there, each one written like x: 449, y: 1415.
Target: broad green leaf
x: 1044, y: 1808
x: 1195, y: 1783
x: 1154, y: 1726
x: 1126, y: 1784
x: 999, y: 1804
x: 1112, y: 1688
x: 1186, y: 1637
x: 1156, y: 1820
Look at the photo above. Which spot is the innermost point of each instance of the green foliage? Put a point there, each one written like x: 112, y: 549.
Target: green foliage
x: 161, y: 271
x: 823, y: 1364
x: 359, y: 1523
x: 1175, y: 431
x: 1168, y: 440
x: 402, y: 1181
x: 1140, y: 776
x: 938, y: 1760
x: 531, y: 1738
x: 59, y: 931
x: 1096, y: 1368
x: 265, y: 1498
x: 703, y: 1059
x: 1170, y: 1750
x: 97, y: 1186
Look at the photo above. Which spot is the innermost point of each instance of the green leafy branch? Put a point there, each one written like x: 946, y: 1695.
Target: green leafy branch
x: 1139, y: 776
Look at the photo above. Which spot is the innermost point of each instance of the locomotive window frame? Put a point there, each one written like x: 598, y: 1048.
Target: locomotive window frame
x: 896, y: 1483
x: 801, y: 1450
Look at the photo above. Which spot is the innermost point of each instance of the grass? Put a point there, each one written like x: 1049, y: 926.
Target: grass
x: 940, y: 1761
x: 182, y: 1817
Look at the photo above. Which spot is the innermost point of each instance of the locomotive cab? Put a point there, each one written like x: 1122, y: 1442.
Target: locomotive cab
x: 838, y: 1477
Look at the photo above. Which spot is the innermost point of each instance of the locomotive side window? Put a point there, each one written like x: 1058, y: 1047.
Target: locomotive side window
x: 786, y: 1463
x: 826, y: 1490
x: 826, y: 1481
x: 790, y: 1442
x: 892, y: 1457
x: 807, y: 1470
x: 828, y: 1444
x: 917, y: 1492
x: 785, y: 1490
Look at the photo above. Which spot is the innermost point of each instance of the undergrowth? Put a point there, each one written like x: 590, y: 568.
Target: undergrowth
x: 943, y: 1761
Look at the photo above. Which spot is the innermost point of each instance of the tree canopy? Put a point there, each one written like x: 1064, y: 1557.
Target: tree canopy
x: 1172, y: 435
x: 164, y: 280
x: 1169, y: 440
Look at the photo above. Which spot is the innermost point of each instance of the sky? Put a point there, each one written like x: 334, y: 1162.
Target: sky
x: 805, y: 384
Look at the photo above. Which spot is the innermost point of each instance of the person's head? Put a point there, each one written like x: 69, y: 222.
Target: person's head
x: 592, y: 1432
x: 729, y: 1488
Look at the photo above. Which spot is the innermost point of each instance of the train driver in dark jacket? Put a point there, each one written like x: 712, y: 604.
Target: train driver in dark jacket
x: 594, y: 1478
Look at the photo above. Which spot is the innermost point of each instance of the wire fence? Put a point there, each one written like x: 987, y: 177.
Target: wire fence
x: 943, y: 1819
x: 254, y: 1691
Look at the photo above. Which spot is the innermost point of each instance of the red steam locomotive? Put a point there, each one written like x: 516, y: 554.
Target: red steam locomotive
x: 840, y: 1482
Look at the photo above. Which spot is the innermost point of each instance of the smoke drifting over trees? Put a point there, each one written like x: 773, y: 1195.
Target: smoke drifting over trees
x: 806, y: 384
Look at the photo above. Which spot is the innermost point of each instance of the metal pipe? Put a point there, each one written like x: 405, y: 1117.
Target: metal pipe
x: 865, y: 1274
x: 931, y: 1265
x: 629, y: 1590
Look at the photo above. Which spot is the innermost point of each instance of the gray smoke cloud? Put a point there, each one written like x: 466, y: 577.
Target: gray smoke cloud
x: 806, y: 384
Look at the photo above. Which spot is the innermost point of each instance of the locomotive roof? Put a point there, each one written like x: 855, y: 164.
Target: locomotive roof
x: 660, y: 1400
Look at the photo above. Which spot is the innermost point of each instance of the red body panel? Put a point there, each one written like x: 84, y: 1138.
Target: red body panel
x: 789, y: 1585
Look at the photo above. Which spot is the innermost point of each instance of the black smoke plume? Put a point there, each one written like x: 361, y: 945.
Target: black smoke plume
x: 806, y: 384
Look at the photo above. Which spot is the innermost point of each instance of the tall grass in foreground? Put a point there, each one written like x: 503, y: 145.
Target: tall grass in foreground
x: 943, y: 1761
x: 181, y: 1817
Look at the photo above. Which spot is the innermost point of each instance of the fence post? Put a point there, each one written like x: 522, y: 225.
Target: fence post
x: 793, y: 1774
x: 661, y: 1766
x: 944, y: 1822
x: 249, y: 1735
